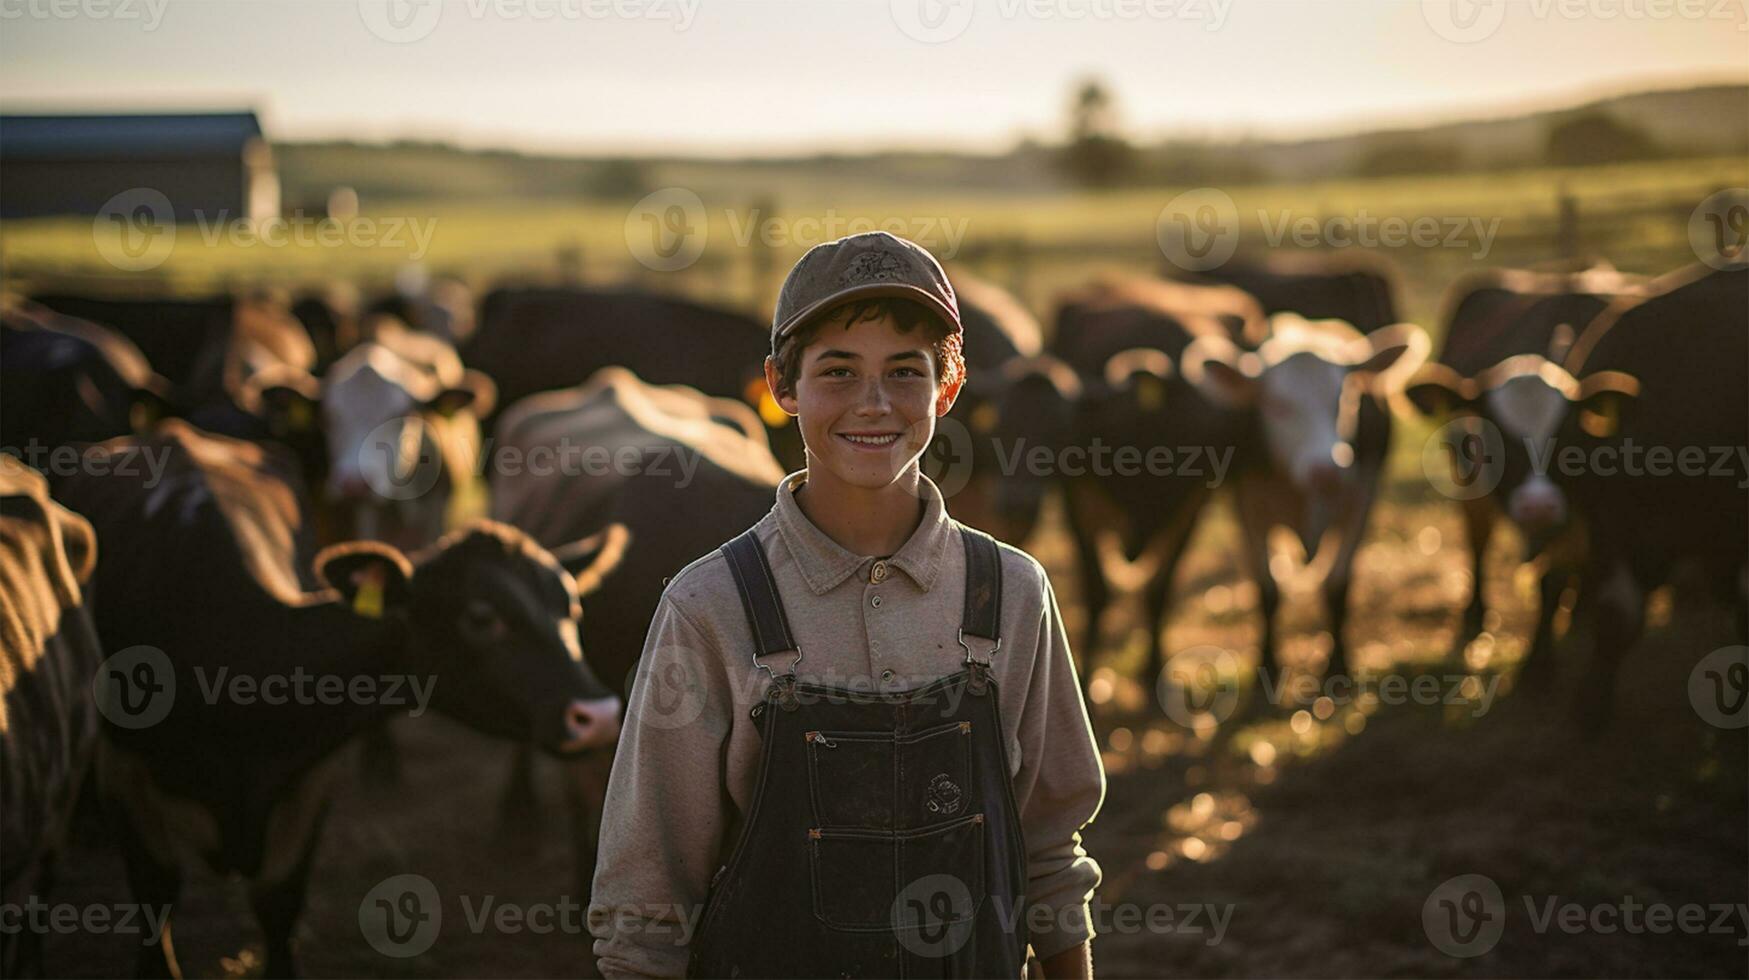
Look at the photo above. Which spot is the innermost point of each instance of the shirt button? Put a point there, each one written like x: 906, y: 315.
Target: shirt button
x: 875, y: 602
x: 887, y: 675
x: 878, y: 573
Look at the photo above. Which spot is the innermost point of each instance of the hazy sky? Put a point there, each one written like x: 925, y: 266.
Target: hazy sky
x: 770, y: 76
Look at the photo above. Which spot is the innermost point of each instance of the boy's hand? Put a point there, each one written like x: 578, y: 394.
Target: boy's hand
x: 1074, y: 963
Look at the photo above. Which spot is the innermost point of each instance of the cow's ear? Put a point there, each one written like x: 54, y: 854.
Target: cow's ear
x: 1437, y: 390
x: 285, y: 398
x: 147, y: 407
x: 371, y: 577
x: 1391, y: 355
x: 1604, y: 401
x: 590, y: 560
x: 476, y: 391
x: 1216, y: 367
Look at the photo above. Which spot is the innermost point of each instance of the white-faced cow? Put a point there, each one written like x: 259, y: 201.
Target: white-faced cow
x: 1318, y: 435
x: 48, y: 724
x: 1508, y: 329
x: 1638, y: 445
x: 1165, y: 445
x: 213, y: 746
x: 401, y: 417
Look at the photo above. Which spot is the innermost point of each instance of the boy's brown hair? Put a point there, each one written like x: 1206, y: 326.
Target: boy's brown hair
x: 950, y: 362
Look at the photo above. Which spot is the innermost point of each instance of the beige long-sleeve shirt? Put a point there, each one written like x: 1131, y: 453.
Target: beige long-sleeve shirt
x: 684, y: 774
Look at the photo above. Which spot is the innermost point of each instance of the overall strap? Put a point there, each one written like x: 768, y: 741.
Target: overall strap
x: 771, y: 633
x: 983, y: 609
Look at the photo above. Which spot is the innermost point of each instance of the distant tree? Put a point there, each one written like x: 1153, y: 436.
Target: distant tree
x: 1396, y: 155
x: 617, y: 180
x: 1096, y: 155
x: 1597, y: 137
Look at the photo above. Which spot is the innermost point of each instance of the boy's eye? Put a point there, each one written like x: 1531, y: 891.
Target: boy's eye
x: 837, y: 372
x: 908, y: 372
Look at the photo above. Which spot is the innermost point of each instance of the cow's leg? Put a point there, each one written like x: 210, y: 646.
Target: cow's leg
x: 1620, y: 617
x: 155, y: 881
x: 1254, y: 523
x: 1480, y: 513
x: 1538, y: 672
x: 1157, y: 598
x: 278, y: 904
x: 1095, y: 591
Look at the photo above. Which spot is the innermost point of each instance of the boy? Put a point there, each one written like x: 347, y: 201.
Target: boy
x: 855, y: 738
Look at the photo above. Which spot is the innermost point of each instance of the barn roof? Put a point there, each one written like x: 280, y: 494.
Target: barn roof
x: 122, y: 136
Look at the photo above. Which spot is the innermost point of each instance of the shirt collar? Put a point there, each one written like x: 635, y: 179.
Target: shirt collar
x: 824, y: 562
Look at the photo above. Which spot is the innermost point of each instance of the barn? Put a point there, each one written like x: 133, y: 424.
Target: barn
x: 213, y: 166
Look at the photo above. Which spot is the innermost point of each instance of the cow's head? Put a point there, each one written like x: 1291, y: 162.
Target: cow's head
x: 493, y: 618
x: 398, y: 435
x: 1304, y: 387
x: 1526, y: 404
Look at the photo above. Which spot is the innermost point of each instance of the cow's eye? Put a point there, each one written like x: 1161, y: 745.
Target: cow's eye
x: 481, y: 623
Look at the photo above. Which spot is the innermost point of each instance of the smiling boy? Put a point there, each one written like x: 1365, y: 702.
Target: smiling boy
x: 855, y: 745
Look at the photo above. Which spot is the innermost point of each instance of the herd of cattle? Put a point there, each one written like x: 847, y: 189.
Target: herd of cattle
x: 255, y: 487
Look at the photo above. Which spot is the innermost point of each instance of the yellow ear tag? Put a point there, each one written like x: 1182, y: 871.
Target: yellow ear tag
x: 984, y: 418
x: 368, y: 600
x: 299, y: 415
x: 1148, y: 393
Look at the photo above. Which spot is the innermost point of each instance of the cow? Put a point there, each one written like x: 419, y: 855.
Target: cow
x: 49, y: 654
x: 533, y: 339
x: 205, y: 621
x: 1491, y: 318
x: 967, y: 455
x: 401, y: 419
x: 68, y: 380
x: 1665, y: 374
x: 1318, y: 431
x: 1120, y: 340
x: 1353, y: 287
x: 681, y: 471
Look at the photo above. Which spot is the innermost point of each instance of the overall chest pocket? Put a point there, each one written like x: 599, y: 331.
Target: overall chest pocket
x: 918, y: 883
x: 890, y: 781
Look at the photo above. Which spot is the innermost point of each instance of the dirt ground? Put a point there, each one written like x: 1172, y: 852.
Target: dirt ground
x: 1281, y: 842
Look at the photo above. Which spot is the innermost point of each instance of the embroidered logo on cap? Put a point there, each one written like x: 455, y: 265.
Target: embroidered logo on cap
x: 872, y: 267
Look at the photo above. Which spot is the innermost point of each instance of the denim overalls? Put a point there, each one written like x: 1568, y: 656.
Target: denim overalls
x: 883, y: 839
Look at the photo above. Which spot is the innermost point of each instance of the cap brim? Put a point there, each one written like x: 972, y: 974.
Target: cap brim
x: 871, y: 290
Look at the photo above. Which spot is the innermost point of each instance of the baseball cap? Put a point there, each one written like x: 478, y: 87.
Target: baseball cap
x: 866, y: 266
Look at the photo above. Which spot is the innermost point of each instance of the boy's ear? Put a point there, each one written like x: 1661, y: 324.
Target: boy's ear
x: 787, y: 402
x: 949, y: 393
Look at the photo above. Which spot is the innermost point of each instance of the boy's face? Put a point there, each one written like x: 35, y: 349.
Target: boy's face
x: 866, y: 399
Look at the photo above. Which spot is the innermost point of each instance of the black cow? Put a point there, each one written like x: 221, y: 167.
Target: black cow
x: 1352, y: 287
x: 48, y: 724
x: 1493, y: 317
x: 1165, y: 444
x: 65, y: 380
x: 1663, y: 379
x: 196, y: 567
x: 539, y: 339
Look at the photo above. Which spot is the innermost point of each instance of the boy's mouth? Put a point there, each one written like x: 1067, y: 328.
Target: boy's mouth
x: 869, y: 441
